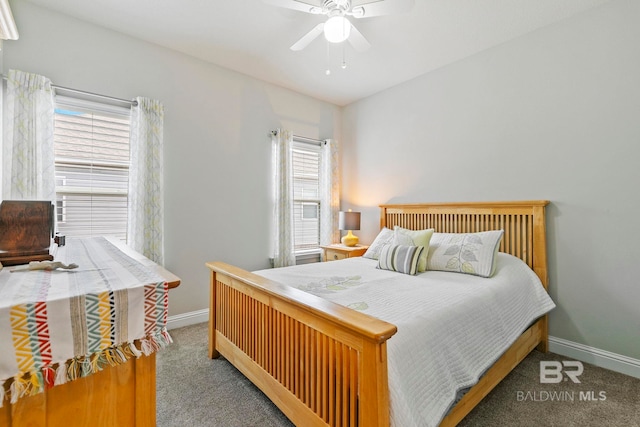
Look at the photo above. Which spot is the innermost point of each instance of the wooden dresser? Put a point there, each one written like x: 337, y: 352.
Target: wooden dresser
x: 120, y: 395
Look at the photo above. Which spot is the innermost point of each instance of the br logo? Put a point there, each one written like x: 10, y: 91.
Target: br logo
x: 552, y: 372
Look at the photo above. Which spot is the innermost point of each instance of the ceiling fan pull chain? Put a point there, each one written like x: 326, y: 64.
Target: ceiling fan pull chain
x: 328, y: 72
x: 344, y: 61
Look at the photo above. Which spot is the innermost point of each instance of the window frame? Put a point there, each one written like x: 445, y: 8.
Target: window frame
x: 114, y: 172
x: 312, y: 147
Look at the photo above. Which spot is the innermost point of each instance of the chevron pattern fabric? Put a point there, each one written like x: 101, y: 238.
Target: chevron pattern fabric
x: 63, y: 325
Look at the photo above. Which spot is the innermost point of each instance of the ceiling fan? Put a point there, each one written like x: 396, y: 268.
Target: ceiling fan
x: 337, y: 28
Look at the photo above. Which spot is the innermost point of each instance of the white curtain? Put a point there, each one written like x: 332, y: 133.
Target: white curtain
x: 28, y: 162
x: 329, y: 193
x: 146, y: 222
x: 283, y: 255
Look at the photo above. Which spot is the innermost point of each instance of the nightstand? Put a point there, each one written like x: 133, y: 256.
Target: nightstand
x: 338, y: 251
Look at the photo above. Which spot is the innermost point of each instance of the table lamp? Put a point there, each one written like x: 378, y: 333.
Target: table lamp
x: 349, y: 221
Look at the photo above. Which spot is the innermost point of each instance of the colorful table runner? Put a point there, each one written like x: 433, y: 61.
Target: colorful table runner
x: 56, y: 326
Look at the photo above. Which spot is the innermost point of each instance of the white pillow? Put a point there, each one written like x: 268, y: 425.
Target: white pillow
x: 470, y: 253
x: 404, y: 236
x: 383, y: 238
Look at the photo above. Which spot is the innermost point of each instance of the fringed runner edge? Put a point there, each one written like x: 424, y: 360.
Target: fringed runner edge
x: 37, y: 381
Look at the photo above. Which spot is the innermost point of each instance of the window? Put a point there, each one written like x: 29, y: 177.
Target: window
x: 306, y: 196
x: 91, y: 144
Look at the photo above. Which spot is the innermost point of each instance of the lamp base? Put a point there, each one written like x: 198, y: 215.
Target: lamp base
x: 349, y: 239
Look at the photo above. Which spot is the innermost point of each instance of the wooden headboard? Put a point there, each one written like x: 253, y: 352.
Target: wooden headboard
x: 523, y: 223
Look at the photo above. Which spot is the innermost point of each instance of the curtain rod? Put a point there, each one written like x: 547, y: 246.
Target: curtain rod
x: 302, y: 138
x: 95, y: 95
x: 131, y: 102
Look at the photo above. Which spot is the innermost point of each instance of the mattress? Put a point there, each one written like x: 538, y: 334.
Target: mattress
x: 451, y: 327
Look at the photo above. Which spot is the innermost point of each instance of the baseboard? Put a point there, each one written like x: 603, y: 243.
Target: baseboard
x: 187, y: 319
x: 595, y: 356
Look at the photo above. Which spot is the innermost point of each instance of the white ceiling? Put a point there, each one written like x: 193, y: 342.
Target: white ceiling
x: 253, y: 37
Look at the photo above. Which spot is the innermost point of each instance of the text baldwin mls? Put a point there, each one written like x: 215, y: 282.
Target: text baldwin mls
x: 560, y: 396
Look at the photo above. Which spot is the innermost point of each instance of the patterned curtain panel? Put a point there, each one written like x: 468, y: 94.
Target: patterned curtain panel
x: 329, y: 193
x: 28, y: 163
x: 283, y: 256
x: 146, y: 222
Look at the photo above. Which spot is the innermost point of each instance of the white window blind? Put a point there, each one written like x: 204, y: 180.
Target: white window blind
x: 306, y: 196
x: 91, y: 143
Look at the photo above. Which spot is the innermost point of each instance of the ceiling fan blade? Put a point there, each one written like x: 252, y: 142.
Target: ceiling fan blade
x: 302, y: 6
x: 308, y: 38
x: 381, y: 7
x: 357, y: 40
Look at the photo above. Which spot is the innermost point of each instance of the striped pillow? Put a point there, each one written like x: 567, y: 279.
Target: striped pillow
x: 400, y: 258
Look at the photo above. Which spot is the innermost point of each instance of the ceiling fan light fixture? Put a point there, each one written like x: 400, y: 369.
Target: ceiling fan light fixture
x: 337, y: 29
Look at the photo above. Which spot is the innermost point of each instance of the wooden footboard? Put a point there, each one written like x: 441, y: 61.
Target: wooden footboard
x: 320, y: 363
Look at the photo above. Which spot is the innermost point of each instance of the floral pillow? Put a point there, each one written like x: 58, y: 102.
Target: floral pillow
x: 404, y: 236
x: 470, y: 253
x: 400, y: 258
x: 383, y: 238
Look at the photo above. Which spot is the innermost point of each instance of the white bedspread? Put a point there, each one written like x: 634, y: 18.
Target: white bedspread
x: 451, y: 326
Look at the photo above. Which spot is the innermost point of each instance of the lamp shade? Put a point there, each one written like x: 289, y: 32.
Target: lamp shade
x: 349, y: 220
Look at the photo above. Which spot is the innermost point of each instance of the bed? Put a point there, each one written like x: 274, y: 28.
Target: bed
x: 322, y: 363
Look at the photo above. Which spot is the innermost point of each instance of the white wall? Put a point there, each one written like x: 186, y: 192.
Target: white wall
x: 551, y: 115
x: 217, y: 154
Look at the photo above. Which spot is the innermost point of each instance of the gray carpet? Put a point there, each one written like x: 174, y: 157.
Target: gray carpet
x: 196, y: 391
x: 193, y: 390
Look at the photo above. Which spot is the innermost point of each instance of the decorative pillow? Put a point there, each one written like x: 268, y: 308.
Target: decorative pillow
x: 404, y: 236
x: 400, y: 258
x: 383, y: 238
x: 470, y: 253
